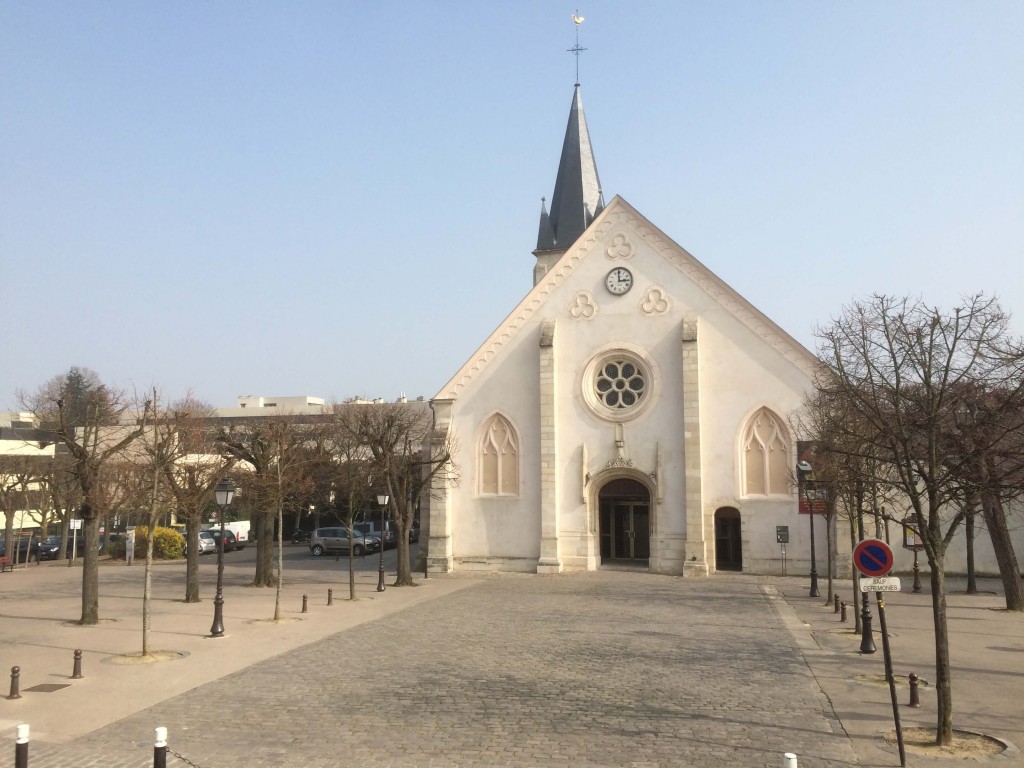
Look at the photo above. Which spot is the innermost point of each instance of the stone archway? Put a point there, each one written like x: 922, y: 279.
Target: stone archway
x: 728, y: 540
x: 624, y: 521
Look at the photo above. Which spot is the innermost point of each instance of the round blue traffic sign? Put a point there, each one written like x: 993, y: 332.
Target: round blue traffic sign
x: 873, y: 557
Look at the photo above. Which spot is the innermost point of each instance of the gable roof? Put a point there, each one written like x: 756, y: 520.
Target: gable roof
x: 616, y: 214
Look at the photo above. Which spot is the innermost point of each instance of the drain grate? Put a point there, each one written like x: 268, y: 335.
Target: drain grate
x: 47, y: 687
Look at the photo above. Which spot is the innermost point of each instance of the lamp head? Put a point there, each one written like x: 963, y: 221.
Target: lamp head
x: 382, y: 499
x: 224, y: 492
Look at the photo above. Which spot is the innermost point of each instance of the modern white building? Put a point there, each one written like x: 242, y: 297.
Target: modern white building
x: 257, y: 405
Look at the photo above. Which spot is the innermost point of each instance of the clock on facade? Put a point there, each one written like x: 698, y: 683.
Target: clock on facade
x: 619, y: 281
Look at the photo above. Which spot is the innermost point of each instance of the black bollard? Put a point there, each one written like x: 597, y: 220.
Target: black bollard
x: 304, y: 599
x: 836, y: 601
x: 330, y: 597
x: 77, y: 673
x: 842, y: 611
x: 915, y: 695
x: 15, y: 678
x: 21, y: 746
x: 160, y: 748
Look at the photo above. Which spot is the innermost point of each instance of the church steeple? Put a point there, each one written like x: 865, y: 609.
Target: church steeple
x: 577, y: 198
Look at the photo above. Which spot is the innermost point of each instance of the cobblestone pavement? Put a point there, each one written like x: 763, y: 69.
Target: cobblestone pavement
x: 593, y: 669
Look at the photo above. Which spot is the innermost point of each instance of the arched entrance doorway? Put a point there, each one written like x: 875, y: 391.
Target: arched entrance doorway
x: 728, y: 541
x: 625, y: 520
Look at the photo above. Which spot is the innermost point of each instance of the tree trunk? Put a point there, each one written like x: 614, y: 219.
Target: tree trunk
x: 829, y: 556
x: 147, y: 588
x: 972, y: 582
x: 403, y: 522
x: 264, y: 551
x: 943, y: 677
x: 350, y: 523
x: 857, y: 628
x: 90, y: 566
x: 1002, y: 545
x: 280, y: 559
x: 65, y: 530
x: 192, y: 523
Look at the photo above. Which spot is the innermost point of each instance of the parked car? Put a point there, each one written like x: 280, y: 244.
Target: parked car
x: 207, y: 542
x: 300, y: 537
x: 229, y: 539
x: 336, y: 540
x: 372, y: 528
x: 239, y: 528
x: 50, y: 549
x: 24, y: 549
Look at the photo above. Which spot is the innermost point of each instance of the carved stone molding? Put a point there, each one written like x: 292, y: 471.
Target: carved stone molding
x: 619, y: 461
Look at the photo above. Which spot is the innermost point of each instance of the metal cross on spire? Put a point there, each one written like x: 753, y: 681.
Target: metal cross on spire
x: 577, y: 20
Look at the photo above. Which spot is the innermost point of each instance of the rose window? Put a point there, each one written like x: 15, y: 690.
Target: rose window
x: 619, y: 384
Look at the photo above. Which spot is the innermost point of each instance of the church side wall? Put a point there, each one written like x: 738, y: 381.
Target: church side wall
x: 499, y: 532
x: 742, y: 374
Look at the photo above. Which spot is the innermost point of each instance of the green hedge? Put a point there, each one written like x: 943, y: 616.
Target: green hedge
x: 168, y: 544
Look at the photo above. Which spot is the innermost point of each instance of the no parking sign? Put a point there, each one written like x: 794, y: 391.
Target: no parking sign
x: 873, y: 557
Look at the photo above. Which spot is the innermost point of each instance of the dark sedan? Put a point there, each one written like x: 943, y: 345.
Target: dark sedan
x: 25, y: 548
x: 229, y: 539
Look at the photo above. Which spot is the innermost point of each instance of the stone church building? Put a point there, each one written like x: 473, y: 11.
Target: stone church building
x: 632, y: 409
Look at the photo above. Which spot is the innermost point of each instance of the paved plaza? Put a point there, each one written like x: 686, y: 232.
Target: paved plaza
x: 613, y: 668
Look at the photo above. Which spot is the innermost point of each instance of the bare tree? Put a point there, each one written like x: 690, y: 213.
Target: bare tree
x: 349, y: 474
x: 989, y: 435
x: 397, y: 437
x: 252, y: 442
x: 894, y: 365
x: 289, y: 481
x: 161, y: 448
x: 19, y: 492
x: 271, y: 449
x: 64, y: 494
x: 192, y: 477
x: 85, y: 416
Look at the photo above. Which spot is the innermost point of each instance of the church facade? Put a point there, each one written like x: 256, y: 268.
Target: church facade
x: 632, y: 409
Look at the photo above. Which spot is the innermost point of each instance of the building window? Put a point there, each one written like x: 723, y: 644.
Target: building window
x: 499, y: 458
x: 617, y: 385
x: 766, y: 457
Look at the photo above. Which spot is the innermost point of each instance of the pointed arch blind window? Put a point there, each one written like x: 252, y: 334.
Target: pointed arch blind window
x: 766, y: 455
x: 499, y: 458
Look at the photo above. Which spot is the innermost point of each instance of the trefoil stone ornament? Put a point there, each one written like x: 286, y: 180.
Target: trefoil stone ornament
x: 620, y: 247
x: 583, y: 306
x: 656, y: 301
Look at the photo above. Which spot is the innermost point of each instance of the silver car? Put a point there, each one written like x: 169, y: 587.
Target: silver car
x: 207, y: 542
x: 336, y: 540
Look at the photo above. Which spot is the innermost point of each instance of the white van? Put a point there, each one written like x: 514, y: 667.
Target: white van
x: 240, y: 528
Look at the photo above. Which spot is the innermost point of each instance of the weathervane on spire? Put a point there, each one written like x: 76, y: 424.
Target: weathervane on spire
x: 577, y: 20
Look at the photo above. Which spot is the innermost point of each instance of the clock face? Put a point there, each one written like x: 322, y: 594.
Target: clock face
x: 619, y: 281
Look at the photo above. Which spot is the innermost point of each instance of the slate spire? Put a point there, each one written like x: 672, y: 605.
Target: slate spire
x: 577, y: 198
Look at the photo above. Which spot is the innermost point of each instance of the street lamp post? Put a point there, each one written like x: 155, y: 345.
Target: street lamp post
x: 224, y: 493
x: 803, y: 471
x: 867, y: 639
x: 913, y: 542
x: 382, y: 499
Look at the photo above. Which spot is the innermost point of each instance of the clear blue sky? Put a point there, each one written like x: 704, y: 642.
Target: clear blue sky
x: 340, y: 198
